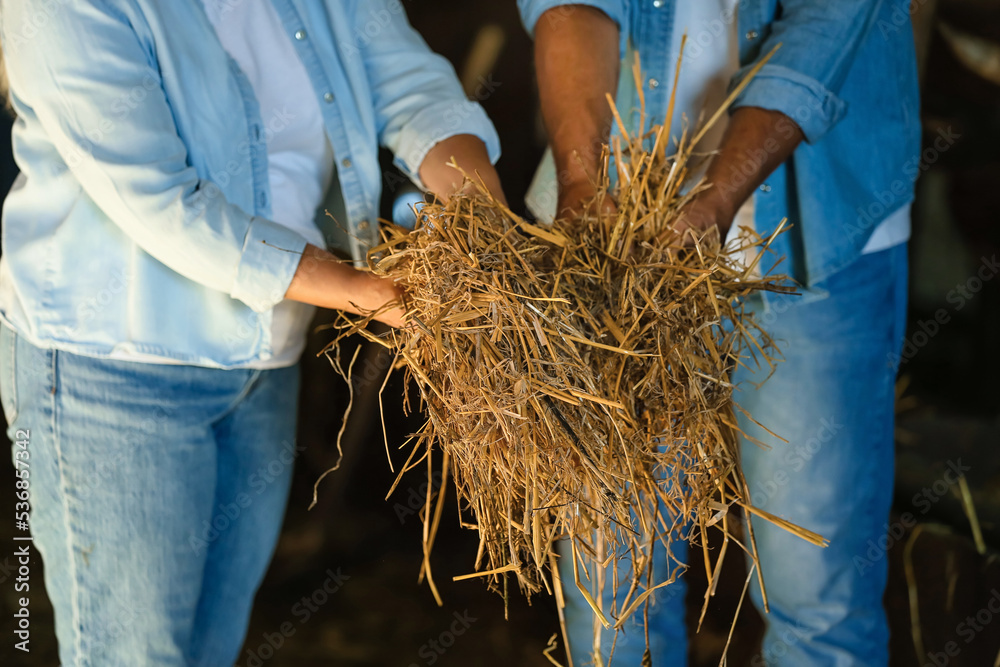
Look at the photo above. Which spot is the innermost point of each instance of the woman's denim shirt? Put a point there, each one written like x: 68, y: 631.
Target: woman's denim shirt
x: 140, y: 221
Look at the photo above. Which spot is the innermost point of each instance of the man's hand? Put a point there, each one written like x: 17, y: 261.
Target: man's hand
x: 755, y: 143
x: 576, y: 56
x: 577, y: 198
x: 708, y: 210
x: 700, y: 215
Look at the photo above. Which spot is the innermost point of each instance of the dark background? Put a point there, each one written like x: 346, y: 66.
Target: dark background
x: 948, y: 412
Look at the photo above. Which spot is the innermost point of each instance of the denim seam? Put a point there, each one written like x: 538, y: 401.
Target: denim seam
x: 247, y: 388
x: 74, y: 593
x: 12, y: 401
x: 885, y: 396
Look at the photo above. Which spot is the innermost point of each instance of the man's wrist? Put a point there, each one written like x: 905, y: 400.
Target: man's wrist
x: 724, y: 206
x: 578, y: 165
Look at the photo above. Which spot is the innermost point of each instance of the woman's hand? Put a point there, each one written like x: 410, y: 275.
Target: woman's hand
x: 392, y: 316
x: 470, y: 155
x: 324, y: 280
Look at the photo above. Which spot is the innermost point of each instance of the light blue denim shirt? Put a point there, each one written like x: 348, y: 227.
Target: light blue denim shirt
x: 140, y: 221
x: 845, y: 73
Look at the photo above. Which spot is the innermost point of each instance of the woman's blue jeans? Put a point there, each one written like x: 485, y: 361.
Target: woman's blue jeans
x: 157, y: 496
x: 832, y: 399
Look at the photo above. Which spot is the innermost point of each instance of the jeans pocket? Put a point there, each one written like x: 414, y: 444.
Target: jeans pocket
x: 8, y: 373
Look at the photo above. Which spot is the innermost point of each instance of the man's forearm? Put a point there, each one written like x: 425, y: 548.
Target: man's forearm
x: 755, y: 143
x: 576, y: 56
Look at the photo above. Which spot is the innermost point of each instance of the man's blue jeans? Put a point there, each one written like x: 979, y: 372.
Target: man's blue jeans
x: 832, y: 399
x: 157, y: 495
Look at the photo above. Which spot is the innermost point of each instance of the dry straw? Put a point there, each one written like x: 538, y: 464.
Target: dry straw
x: 576, y: 380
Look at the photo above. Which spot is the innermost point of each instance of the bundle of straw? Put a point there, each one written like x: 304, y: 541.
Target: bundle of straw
x: 576, y: 378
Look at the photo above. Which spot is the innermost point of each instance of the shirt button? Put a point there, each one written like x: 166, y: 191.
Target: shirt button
x: 263, y: 199
x: 300, y: 35
x: 328, y: 98
x: 346, y: 162
x: 752, y: 34
x: 653, y: 83
x: 765, y: 188
x: 657, y: 3
x: 363, y: 226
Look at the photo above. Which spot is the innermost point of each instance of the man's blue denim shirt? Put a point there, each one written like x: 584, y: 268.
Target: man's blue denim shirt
x: 140, y: 221
x: 845, y: 73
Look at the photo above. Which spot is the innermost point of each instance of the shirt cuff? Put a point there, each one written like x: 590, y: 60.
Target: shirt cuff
x: 435, y: 124
x: 270, y: 257
x: 532, y: 10
x: 813, y: 107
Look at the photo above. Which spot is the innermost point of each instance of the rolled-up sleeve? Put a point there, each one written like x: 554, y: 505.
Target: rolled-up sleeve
x: 532, y: 10
x: 417, y: 98
x: 269, y: 258
x: 70, y: 79
x: 818, y: 45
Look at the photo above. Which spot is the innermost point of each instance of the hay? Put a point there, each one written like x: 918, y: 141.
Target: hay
x: 576, y: 379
